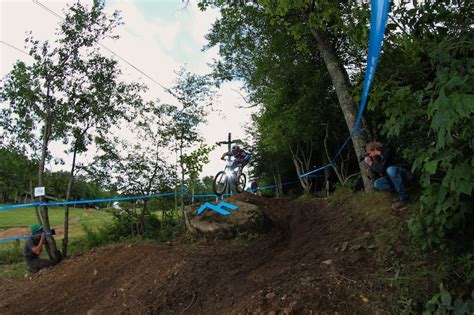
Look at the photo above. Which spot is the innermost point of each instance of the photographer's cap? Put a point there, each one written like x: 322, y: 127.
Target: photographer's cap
x: 35, y: 228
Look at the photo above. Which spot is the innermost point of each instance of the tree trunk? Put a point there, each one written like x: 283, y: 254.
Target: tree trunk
x: 343, y: 89
x: 326, y: 177
x: 276, y: 183
x: 183, y: 213
x: 279, y: 184
x: 327, y: 158
x: 142, y: 217
x: 53, y: 252
x: 302, y: 166
x: 68, y: 197
x: 38, y: 215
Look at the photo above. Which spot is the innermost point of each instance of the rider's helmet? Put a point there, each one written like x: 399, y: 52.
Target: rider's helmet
x: 235, y: 148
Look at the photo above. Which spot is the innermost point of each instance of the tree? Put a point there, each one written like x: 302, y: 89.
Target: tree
x: 284, y: 76
x: 36, y: 112
x: 193, y: 164
x: 96, y: 97
x: 68, y: 87
x: 16, y: 174
x: 140, y: 169
x: 425, y: 98
x: 195, y: 95
x: 324, y: 21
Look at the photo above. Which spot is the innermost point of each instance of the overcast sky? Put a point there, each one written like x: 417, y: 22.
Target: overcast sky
x: 158, y: 37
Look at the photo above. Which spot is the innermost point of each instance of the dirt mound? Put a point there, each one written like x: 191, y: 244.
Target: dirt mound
x: 297, y: 267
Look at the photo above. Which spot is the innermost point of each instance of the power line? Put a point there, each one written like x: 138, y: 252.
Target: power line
x: 109, y: 50
x: 16, y: 48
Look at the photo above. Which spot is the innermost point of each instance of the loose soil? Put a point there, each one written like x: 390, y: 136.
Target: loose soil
x: 301, y: 266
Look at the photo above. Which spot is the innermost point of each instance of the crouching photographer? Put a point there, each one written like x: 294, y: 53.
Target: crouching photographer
x: 33, y: 248
x: 388, y: 177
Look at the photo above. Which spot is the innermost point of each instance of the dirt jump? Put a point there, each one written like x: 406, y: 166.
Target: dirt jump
x: 297, y: 267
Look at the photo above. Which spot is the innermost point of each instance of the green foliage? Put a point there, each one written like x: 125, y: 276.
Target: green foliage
x: 195, y: 161
x: 11, y: 255
x: 16, y: 173
x: 441, y: 149
x: 24, y: 217
x: 123, y: 226
x: 444, y: 303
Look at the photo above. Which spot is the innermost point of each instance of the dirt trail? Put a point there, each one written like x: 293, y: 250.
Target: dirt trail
x: 293, y: 269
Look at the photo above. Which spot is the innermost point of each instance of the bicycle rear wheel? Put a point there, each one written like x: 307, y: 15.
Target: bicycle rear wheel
x: 240, y: 183
x: 220, y: 183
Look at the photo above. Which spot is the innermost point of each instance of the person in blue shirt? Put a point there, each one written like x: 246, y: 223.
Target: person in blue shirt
x: 241, y: 158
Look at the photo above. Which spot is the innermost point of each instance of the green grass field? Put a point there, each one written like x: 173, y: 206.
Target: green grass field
x: 24, y: 217
x: 11, y: 253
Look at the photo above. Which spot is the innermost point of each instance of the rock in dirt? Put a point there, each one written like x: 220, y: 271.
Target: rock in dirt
x: 270, y: 295
x: 248, y: 218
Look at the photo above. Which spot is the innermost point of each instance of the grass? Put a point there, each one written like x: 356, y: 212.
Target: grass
x: 11, y: 253
x: 26, y: 216
x: 412, y: 276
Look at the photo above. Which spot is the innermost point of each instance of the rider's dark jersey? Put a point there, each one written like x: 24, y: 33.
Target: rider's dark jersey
x: 239, y: 154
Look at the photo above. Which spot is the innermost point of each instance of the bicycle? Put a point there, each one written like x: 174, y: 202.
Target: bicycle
x: 224, y: 179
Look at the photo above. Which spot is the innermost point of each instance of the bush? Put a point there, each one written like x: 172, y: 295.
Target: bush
x: 10, y: 255
x: 125, y: 226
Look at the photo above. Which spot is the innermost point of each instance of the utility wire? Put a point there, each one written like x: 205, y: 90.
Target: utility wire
x: 109, y: 50
x: 16, y: 48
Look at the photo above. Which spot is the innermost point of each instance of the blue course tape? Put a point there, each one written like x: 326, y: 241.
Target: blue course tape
x: 78, y: 202
x: 9, y: 239
x: 378, y: 20
x: 317, y: 170
x: 61, y: 203
x: 32, y: 204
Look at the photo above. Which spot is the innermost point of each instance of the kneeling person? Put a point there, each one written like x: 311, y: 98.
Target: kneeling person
x: 33, y: 248
x: 389, y: 177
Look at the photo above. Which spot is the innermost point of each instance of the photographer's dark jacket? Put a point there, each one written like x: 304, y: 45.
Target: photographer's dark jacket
x: 380, y: 164
x: 28, y: 251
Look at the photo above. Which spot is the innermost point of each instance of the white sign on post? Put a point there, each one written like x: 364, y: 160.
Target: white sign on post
x: 39, y: 191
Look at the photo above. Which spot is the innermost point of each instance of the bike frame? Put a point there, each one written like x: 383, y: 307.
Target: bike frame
x: 230, y: 173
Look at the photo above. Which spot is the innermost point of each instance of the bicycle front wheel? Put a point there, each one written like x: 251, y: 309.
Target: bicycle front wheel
x: 240, y: 183
x: 220, y: 183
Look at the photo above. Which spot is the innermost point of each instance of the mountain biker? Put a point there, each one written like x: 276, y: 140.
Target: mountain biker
x: 241, y: 158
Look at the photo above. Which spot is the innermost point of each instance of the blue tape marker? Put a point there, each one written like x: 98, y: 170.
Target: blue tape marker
x: 9, y: 239
x: 217, y: 209
x: 378, y: 20
x: 203, y: 207
x: 78, y: 202
x: 227, y: 205
x: 353, y: 133
x: 23, y: 205
x: 317, y: 170
x: 61, y: 203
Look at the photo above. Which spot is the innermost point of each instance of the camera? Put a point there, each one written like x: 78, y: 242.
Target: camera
x: 362, y: 157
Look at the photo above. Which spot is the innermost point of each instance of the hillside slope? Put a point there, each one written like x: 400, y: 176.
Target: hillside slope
x: 312, y: 261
